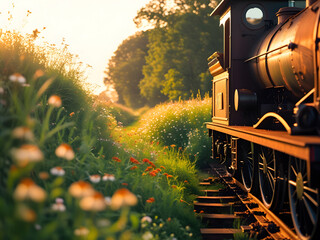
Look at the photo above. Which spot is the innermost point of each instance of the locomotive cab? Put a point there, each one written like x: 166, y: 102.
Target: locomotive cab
x: 234, y: 86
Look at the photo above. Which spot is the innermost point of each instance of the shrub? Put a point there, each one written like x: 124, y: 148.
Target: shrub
x: 181, y: 124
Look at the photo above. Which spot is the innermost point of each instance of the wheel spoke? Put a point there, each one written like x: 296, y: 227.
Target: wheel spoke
x: 294, y: 171
x: 271, y: 182
x: 309, y: 210
x: 293, y: 183
x: 312, y: 200
x: 315, y: 191
x: 271, y: 169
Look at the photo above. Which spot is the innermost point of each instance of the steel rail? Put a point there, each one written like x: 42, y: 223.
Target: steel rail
x: 263, y: 216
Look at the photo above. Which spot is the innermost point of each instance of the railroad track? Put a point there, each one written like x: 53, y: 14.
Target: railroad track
x: 230, y: 211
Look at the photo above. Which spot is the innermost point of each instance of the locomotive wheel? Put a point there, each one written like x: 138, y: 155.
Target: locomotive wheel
x: 247, y: 166
x: 304, y: 200
x: 267, y: 175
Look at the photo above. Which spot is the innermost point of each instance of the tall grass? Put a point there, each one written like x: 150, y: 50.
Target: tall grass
x: 62, y: 175
x: 181, y: 124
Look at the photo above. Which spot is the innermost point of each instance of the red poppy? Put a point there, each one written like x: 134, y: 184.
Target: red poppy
x: 150, y: 200
x: 133, y: 168
x: 133, y: 160
x: 116, y: 159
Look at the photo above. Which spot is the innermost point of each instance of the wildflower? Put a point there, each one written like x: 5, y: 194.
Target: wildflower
x: 81, y: 189
x: 108, y: 177
x: 158, y: 170
x: 27, y: 189
x: 188, y: 228
x: 27, y: 153
x: 71, y: 114
x: 135, y: 161
x: 166, y: 174
x: 107, y: 201
x: 162, y: 167
x: 25, y: 213
x: 95, y: 202
x: 123, y: 197
x: 145, y: 160
x: 116, y: 159
x: 82, y: 231
x: 55, y: 101
x: 65, y: 151
x: 18, y: 78
x: 172, y: 145
x: 148, y: 169
x: 146, y: 219
x: 169, y: 219
x: 103, y: 223
x: 174, y: 186
x: 169, y: 176
x: 124, y: 184
x: 38, y: 73
x: 201, y: 211
x: 153, y: 173
x: 133, y: 168
x: 43, y: 175
x: 23, y: 133
x: 150, y: 200
x: 95, y: 178
x: 152, y: 164
x: 185, y: 181
x: 57, y: 171
x: 37, y: 227
x: 58, y: 206
x: 147, y: 236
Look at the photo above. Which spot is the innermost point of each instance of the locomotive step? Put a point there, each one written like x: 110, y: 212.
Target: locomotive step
x: 217, y: 207
x: 219, y: 192
x: 218, y: 233
x: 205, y: 183
x: 219, y: 220
x: 216, y: 199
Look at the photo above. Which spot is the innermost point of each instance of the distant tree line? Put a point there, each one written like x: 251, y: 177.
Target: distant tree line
x: 169, y: 61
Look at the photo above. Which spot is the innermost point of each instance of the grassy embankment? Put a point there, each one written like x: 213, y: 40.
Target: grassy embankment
x: 62, y: 174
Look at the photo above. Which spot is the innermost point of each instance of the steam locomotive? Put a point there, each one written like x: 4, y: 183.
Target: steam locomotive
x: 266, y: 104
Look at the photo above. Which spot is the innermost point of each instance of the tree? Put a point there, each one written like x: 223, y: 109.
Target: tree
x: 184, y: 36
x: 125, y: 69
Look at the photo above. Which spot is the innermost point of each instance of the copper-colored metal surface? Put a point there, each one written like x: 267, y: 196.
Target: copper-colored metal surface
x: 297, y: 146
x: 291, y: 67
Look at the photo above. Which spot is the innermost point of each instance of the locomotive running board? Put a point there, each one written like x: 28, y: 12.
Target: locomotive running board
x: 297, y: 146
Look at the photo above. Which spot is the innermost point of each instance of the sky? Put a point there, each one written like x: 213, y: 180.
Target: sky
x: 93, y: 29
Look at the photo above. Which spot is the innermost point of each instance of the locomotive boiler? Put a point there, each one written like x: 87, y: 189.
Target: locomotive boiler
x: 265, y: 104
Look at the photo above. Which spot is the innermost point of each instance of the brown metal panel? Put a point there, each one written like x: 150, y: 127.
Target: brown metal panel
x: 220, y: 98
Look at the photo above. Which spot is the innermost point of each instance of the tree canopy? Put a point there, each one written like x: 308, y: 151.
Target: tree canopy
x: 125, y: 69
x: 182, y: 36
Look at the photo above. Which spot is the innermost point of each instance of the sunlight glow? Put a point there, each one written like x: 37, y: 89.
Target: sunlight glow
x: 92, y: 29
